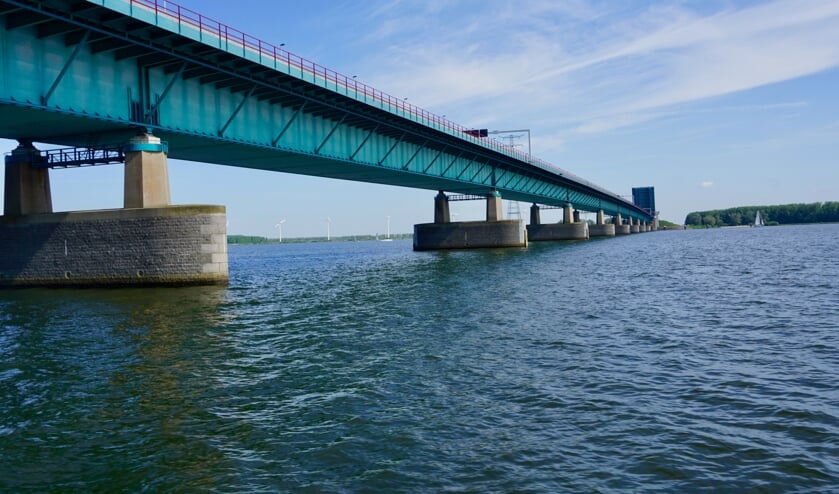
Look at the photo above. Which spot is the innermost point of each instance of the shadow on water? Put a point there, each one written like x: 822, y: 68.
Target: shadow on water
x: 98, y: 387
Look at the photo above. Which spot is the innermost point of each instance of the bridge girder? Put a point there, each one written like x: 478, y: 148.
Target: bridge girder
x: 307, y: 123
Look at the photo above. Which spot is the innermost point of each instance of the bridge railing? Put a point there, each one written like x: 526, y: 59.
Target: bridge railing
x: 266, y: 53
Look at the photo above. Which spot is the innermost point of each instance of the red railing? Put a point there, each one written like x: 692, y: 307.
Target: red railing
x: 279, y: 56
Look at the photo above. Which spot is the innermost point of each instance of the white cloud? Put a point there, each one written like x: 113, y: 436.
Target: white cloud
x: 591, y: 68
x: 706, y: 184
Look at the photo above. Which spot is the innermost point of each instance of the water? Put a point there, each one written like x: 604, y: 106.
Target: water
x: 663, y: 362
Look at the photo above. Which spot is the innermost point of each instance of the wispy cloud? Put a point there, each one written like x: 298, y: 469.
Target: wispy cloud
x: 706, y: 184
x: 592, y: 68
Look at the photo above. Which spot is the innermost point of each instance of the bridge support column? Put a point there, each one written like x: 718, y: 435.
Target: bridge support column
x: 495, y: 210
x: 492, y: 233
x: 620, y: 228
x: 634, y: 226
x: 567, y: 215
x: 601, y: 229
x: 146, y: 173
x: 441, y: 209
x: 535, y: 217
x: 27, y: 187
x: 567, y: 230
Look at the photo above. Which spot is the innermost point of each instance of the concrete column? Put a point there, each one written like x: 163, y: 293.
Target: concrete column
x: 567, y: 215
x: 600, y: 217
x: 535, y: 217
x: 441, y: 209
x: 576, y: 216
x: 27, y: 187
x: 146, y: 173
x: 618, y: 220
x: 495, y: 210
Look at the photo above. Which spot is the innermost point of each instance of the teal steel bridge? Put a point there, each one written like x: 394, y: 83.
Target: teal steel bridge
x: 89, y: 73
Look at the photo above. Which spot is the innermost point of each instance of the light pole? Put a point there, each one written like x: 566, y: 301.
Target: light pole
x: 279, y: 227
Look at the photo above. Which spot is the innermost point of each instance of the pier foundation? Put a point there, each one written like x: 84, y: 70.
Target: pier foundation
x: 175, y: 245
x: 493, y: 233
x: 601, y: 229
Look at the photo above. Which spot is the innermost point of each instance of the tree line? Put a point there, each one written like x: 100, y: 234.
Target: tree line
x: 817, y: 212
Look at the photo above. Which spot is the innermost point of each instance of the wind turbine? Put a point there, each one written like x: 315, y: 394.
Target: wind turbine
x: 328, y: 228
x: 279, y: 227
x: 388, y: 239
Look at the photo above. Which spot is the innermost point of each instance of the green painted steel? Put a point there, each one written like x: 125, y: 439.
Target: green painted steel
x: 91, y: 73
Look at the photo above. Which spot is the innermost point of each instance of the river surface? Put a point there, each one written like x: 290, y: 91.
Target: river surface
x: 681, y: 361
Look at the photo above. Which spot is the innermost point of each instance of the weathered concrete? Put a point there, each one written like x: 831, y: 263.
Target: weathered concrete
x: 146, y: 174
x: 622, y: 229
x: 495, y: 209
x: 601, y: 230
x: 27, y: 188
x: 567, y: 214
x: 535, y: 216
x: 469, y: 235
x: 441, y: 209
x: 558, y: 231
x: 177, y: 245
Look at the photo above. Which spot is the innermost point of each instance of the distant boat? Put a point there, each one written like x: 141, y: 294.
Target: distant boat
x: 759, y: 220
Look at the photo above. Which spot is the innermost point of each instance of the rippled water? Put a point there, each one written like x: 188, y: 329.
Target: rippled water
x: 664, y: 362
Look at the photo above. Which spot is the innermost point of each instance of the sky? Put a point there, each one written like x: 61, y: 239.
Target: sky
x: 716, y: 104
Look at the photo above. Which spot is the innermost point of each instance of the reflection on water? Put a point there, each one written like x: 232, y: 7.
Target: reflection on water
x: 698, y: 360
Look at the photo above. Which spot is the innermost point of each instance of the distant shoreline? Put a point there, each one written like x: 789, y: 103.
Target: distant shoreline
x: 257, y: 240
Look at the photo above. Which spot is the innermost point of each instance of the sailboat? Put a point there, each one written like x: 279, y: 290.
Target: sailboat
x: 758, y: 220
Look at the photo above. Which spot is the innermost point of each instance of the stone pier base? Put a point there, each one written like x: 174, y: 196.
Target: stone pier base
x: 601, y: 230
x: 174, y: 245
x: 622, y: 229
x: 558, y: 231
x: 469, y: 235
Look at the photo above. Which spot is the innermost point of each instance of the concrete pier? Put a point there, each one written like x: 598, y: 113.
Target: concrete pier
x: 601, y: 229
x: 558, y: 231
x: 493, y: 233
x: 146, y: 173
x: 620, y: 228
x: 175, y: 245
x: 27, y: 187
x: 147, y: 243
x: 567, y: 230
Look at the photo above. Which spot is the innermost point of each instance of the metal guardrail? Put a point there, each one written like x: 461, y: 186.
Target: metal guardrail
x: 279, y: 56
x: 465, y: 197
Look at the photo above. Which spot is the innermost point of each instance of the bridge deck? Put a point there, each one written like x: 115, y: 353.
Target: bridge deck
x: 89, y: 72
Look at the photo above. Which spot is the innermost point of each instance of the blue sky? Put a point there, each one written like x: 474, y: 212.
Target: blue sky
x: 715, y: 103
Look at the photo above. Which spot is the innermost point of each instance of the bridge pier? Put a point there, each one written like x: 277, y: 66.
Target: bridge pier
x: 620, y: 228
x: 569, y: 229
x: 146, y: 173
x: 149, y: 242
x: 601, y: 229
x: 634, y: 226
x: 27, y: 187
x: 493, y: 233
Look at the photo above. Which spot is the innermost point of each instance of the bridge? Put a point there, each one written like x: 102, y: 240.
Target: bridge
x: 88, y: 74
